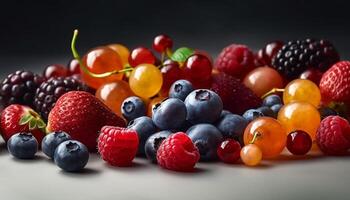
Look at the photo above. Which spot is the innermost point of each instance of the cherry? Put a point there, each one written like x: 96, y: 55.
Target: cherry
x: 299, y: 142
x: 162, y: 42
x: 73, y: 67
x: 198, y: 68
x: 229, y: 151
x: 313, y: 75
x: 266, y: 54
x: 171, y: 72
x: 141, y: 55
x: 55, y: 70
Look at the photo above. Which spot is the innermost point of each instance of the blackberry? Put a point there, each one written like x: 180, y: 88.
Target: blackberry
x: 51, y: 90
x: 297, y: 56
x: 19, y: 88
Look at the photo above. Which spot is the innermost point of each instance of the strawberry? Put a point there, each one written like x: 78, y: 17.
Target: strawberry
x: 82, y: 116
x: 18, y: 118
x: 236, y: 97
x: 335, y: 83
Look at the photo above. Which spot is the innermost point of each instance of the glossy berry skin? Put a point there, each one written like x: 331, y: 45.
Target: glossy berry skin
x: 232, y: 126
x: 180, y: 89
x: 71, y: 156
x: 299, y: 142
x: 252, y: 114
x: 55, y: 70
x: 123, y: 52
x: 73, y: 67
x: 153, y: 143
x: 302, y: 90
x: 206, y: 138
x: 267, y: 111
x: 272, y: 100
x: 51, y: 142
x: 101, y: 60
x: 312, y: 74
x: 256, y: 80
x: 197, y: 68
x: 118, y: 146
x: 251, y: 155
x: 275, y: 109
x: 146, y: 80
x: 203, y: 106
x: 270, y: 136
x: 132, y: 108
x: 141, y: 55
x: 144, y: 128
x: 23, y: 145
x: 266, y: 54
x: 178, y: 153
x: 162, y: 42
x: 113, y: 94
x: 229, y: 151
x: 300, y: 116
x: 171, y: 72
x: 169, y: 114
x: 152, y: 104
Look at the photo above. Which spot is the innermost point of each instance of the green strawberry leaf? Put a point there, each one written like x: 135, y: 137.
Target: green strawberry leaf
x: 32, y: 124
x: 41, y: 124
x: 181, y: 54
x: 25, y: 119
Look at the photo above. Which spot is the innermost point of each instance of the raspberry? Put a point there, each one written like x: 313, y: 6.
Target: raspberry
x: 236, y: 60
x: 177, y: 153
x: 236, y: 97
x: 333, y: 135
x: 118, y: 146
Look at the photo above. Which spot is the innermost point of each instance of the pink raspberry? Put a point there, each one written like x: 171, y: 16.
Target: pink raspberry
x: 178, y: 153
x: 236, y: 60
x: 333, y: 135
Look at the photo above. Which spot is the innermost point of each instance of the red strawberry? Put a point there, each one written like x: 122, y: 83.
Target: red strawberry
x: 236, y: 97
x: 236, y: 60
x: 335, y: 83
x: 118, y: 146
x: 17, y: 118
x: 82, y: 115
x: 333, y: 135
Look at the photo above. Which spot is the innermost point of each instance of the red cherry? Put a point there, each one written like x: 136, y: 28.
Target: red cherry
x: 266, y: 54
x: 141, y: 55
x: 313, y: 75
x: 229, y: 151
x: 55, y: 70
x: 171, y: 73
x: 198, y: 68
x: 162, y: 42
x: 73, y: 67
x: 299, y: 142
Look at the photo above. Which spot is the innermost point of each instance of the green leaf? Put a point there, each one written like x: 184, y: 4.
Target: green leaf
x: 32, y: 124
x: 25, y: 119
x: 41, y: 124
x: 181, y: 54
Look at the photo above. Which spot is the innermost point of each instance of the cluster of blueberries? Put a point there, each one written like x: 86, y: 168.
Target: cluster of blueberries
x: 199, y: 113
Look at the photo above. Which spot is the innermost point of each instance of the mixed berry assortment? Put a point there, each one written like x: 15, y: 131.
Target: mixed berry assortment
x: 180, y: 107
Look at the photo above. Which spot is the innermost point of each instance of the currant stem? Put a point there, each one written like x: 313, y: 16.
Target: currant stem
x: 169, y: 53
x: 255, y: 137
x: 274, y: 90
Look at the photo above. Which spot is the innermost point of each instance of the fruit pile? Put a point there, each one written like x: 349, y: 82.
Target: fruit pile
x: 180, y: 107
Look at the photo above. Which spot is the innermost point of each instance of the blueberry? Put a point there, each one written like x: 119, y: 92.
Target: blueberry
x: 224, y: 113
x: 71, y: 156
x: 203, y: 106
x: 52, y: 140
x: 169, y: 114
x: 252, y: 114
x: 326, y: 111
x: 144, y: 127
x: 272, y: 100
x: 267, y: 111
x: 276, y: 108
x: 207, y: 138
x: 132, y: 108
x: 22, y: 145
x: 180, y: 89
x: 153, y: 143
x: 232, y: 126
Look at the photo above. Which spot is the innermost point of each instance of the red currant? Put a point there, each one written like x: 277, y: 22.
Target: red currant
x: 266, y: 54
x: 55, y: 71
x: 229, y: 151
x: 162, y: 42
x: 313, y: 75
x: 198, y: 68
x: 73, y: 67
x: 141, y: 55
x: 171, y: 72
x: 299, y: 142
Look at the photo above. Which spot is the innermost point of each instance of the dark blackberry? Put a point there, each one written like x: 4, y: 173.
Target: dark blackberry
x: 297, y: 56
x: 19, y: 88
x: 50, y: 91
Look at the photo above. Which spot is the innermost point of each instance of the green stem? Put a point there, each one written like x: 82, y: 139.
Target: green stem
x: 274, y: 90
x: 255, y: 137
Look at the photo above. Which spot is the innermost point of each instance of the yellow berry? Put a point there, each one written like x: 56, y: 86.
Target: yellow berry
x: 251, y: 155
x: 302, y: 90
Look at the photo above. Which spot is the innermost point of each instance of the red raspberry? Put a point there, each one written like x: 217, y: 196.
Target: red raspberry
x: 236, y: 60
x: 118, y: 146
x: 333, y: 135
x: 178, y: 153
